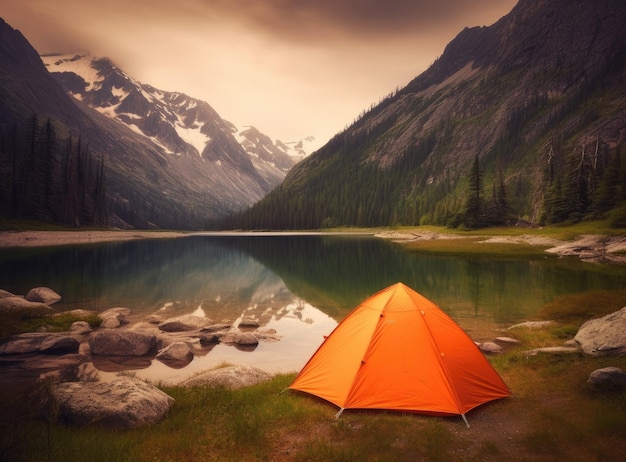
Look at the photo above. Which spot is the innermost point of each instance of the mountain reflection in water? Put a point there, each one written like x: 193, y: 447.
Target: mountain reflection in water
x: 300, y: 285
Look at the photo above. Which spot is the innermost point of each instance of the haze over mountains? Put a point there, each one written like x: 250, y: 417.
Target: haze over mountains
x: 169, y: 160
x: 521, y: 121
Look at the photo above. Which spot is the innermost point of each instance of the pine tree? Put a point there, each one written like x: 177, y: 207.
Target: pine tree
x: 473, y: 213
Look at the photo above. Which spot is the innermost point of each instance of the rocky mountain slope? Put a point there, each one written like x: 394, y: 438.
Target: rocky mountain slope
x: 163, y: 159
x: 536, y: 101
x: 180, y: 124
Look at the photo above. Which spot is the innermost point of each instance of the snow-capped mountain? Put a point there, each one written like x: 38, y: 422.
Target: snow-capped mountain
x: 180, y: 124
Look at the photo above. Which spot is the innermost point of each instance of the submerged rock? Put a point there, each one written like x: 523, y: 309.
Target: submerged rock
x: 122, y: 343
x: 176, y: 355
x: 184, y: 323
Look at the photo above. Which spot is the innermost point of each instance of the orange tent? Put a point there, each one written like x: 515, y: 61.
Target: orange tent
x: 398, y: 350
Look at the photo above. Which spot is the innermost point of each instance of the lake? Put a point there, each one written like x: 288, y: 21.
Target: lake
x: 301, y: 285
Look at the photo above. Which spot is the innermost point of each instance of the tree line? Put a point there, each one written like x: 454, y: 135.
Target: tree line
x: 584, y: 183
x: 49, y: 177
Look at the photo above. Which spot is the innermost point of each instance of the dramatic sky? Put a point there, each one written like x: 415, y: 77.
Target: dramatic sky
x: 292, y: 68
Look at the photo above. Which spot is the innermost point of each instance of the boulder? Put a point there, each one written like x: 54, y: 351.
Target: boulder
x: 607, y: 379
x: 121, y: 343
x: 604, y: 336
x: 80, y: 328
x: 24, y: 309
x: 112, y: 322
x: 248, y: 322
x: 230, y: 377
x: 209, y: 339
x: 123, y: 403
x: 43, y: 295
x: 176, y: 355
x: 237, y: 337
x: 489, y: 347
x: 62, y: 344
x: 184, y: 323
x: 114, y: 317
x: 5, y: 294
x: 40, y: 342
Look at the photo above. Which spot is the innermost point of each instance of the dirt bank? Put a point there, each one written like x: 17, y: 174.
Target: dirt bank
x: 51, y: 238
x: 589, y: 247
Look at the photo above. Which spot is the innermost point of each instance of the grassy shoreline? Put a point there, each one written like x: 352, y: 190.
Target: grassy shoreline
x: 551, y: 416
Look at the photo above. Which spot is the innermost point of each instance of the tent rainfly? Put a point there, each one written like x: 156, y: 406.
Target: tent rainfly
x: 397, y: 350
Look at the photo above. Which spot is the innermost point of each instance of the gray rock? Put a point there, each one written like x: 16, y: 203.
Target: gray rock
x: 604, y: 336
x: 209, y: 339
x: 237, y: 337
x: 121, y: 343
x: 557, y: 351
x: 115, y: 317
x: 43, y: 295
x: 532, y: 325
x: 23, y: 343
x: 215, y: 328
x: 63, y: 344
x: 80, y: 328
x: 5, y: 294
x: 184, y: 323
x: 248, y: 322
x: 24, y: 309
x: 123, y: 403
x: 230, y: 377
x: 176, y: 355
x: 607, y: 379
x: 112, y: 322
x: 40, y: 342
x: 490, y: 347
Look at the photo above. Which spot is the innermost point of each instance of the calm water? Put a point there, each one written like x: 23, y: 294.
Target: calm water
x: 299, y: 285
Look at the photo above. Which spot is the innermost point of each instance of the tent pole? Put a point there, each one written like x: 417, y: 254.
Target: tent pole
x: 338, y: 414
x: 465, y: 419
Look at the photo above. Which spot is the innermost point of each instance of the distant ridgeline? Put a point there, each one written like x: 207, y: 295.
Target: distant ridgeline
x: 519, y: 121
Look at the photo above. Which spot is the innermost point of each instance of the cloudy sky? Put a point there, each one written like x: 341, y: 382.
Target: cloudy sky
x: 292, y: 68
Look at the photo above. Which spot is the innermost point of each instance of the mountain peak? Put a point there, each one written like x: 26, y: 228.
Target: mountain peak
x: 529, y: 97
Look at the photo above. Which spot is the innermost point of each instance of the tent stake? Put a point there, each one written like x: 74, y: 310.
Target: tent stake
x: 338, y: 414
x: 465, y: 419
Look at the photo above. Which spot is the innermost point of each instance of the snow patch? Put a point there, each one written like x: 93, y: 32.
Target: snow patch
x: 193, y: 136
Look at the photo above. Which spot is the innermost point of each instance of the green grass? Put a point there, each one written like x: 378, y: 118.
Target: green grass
x: 551, y: 416
x: 11, y: 325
